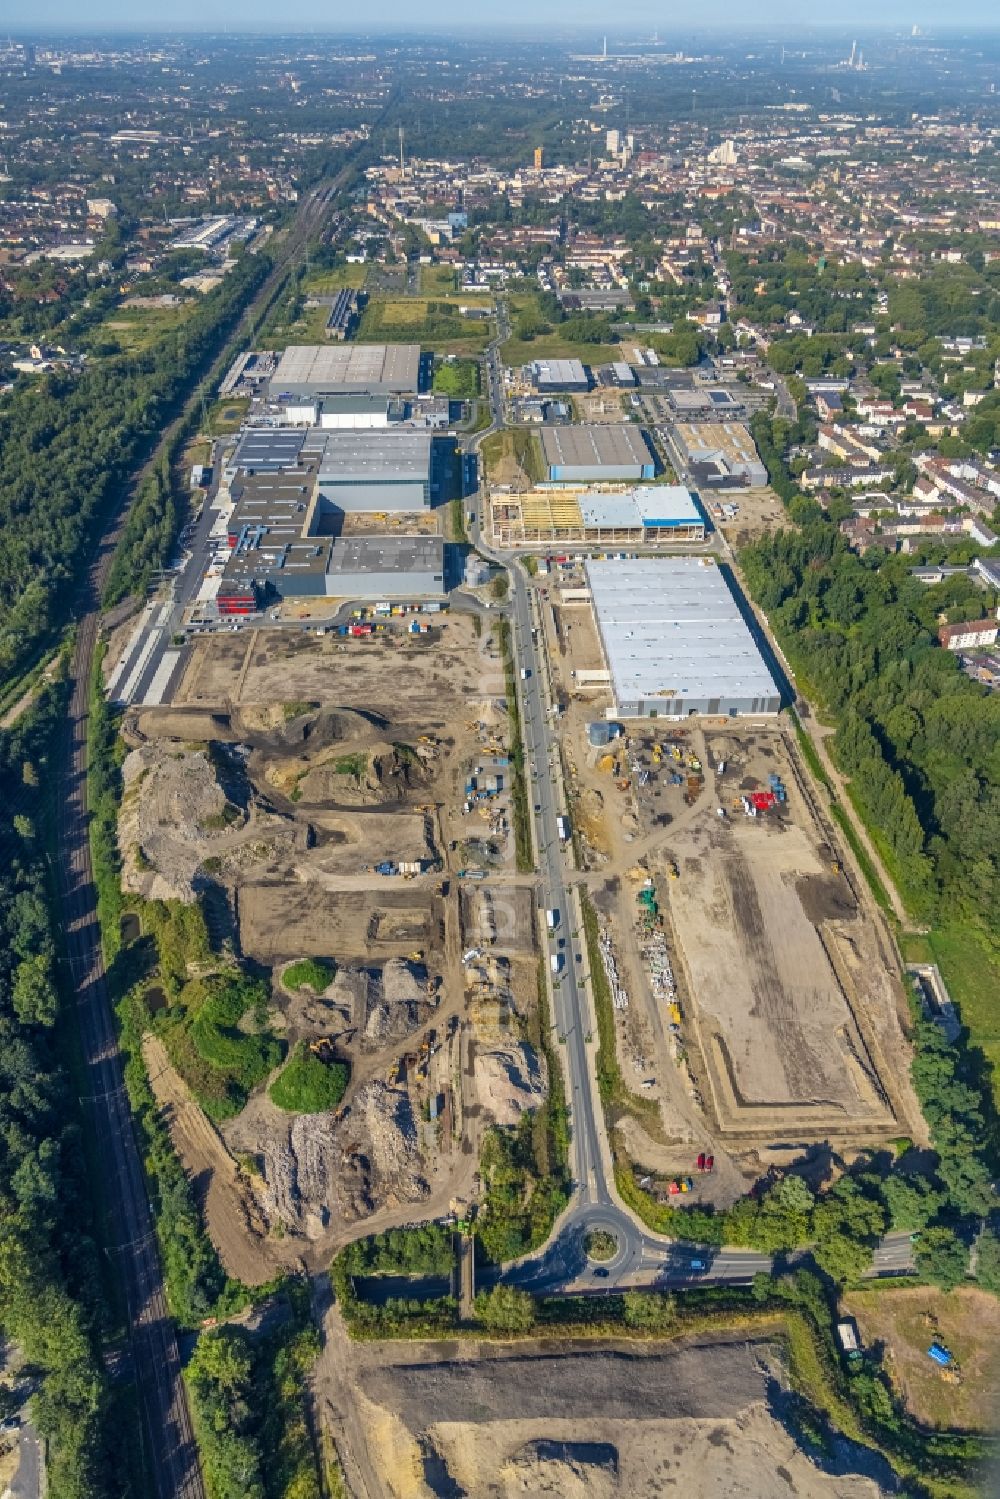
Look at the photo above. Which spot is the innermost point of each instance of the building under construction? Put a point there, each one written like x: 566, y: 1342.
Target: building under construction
x: 650, y: 515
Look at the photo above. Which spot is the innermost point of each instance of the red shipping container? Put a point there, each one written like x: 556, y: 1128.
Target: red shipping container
x: 762, y: 800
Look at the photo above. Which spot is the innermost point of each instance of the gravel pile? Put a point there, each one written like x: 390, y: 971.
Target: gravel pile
x: 348, y: 1169
x: 397, y: 1002
x: 509, y: 1081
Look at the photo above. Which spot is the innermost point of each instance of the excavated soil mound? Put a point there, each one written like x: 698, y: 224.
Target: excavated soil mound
x: 510, y: 1081
x: 397, y: 1002
x: 571, y: 1470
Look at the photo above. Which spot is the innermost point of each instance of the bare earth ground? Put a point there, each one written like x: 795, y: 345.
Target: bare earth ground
x: 760, y: 513
x: 967, y: 1322
x: 571, y: 1421
x: 786, y: 977
x: 279, y: 808
x: 403, y: 679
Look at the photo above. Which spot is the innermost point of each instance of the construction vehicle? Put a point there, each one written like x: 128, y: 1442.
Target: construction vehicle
x: 417, y: 956
x: 322, y: 1048
x: 672, y: 870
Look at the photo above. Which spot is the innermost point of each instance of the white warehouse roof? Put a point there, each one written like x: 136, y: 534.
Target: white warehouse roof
x: 651, y: 505
x: 672, y: 627
x: 348, y: 367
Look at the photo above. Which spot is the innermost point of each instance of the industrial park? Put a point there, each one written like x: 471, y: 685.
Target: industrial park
x: 498, y: 703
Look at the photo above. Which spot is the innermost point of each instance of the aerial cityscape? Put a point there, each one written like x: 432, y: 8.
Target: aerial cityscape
x: 500, y: 757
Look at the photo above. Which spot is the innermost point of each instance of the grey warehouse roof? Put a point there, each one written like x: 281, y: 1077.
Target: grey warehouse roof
x: 577, y: 447
x: 648, y: 505
x: 559, y: 371
x: 671, y: 627
x: 350, y: 367
x: 344, y: 454
x: 387, y: 554
x: 264, y: 449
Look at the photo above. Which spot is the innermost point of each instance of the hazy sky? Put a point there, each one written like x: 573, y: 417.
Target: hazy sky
x: 293, y: 15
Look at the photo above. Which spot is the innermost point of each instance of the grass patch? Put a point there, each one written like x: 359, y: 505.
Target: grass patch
x: 218, y: 1039
x: 868, y: 870
x: 915, y: 947
x: 970, y: 967
x: 309, y: 973
x: 306, y: 1085
x: 553, y: 345
x: 513, y: 445
x: 967, y: 1321
x: 434, y: 324
x: 351, y: 765
x: 456, y: 522
x: 226, y: 416
x: 438, y: 281
x: 323, y: 283
x: 296, y: 710
x: 556, y: 343
x: 808, y: 750
x: 137, y: 329
x: 600, y: 1245
x: 458, y: 379
x: 841, y: 817
x: 309, y: 327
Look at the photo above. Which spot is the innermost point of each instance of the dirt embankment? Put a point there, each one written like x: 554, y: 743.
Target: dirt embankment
x: 233, y: 1216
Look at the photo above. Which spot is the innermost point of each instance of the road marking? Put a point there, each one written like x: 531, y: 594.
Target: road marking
x: 134, y: 676
x: 161, y: 679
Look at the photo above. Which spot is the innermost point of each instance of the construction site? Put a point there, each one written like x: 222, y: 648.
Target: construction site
x: 616, y: 515
x: 335, y: 811
x: 606, y: 1421
x: 758, y: 1007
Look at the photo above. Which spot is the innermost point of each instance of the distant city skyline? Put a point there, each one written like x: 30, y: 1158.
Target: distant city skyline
x: 562, y: 15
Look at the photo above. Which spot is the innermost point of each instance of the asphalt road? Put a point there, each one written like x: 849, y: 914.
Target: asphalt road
x: 27, y: 1481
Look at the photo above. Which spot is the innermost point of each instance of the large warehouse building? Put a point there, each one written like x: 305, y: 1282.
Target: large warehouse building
x: 721, y: 455
x: 358, y: 470
x: 275, y: 555
x: 312, y: 371
x: 587, y: 455
x: 675, y: 641
x: 361, y: 471
x: 551, y: 375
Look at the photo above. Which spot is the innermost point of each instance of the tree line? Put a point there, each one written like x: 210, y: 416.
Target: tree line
x: 67, y: 447
x: 916, y: 735
x: 51, y: 1301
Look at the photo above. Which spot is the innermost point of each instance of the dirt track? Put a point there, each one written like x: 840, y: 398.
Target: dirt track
x: 226, y: 1200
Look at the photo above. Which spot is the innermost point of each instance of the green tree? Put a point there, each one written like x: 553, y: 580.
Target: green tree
x: 988, y: 1261
x: 653, y: 1310
x: 34, y: 995
x: 784, y: 1218
x: 912, y: 1201
x: 506, y: 1309
x: 941, y: 1257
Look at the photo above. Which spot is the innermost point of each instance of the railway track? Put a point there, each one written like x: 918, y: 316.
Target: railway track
x: 130, y: 1237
